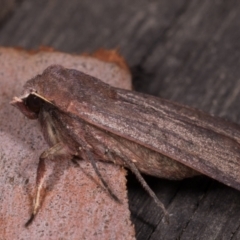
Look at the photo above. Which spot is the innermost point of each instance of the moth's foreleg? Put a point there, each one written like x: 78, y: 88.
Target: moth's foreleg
x: 57, y: 152
x: 39, y: 182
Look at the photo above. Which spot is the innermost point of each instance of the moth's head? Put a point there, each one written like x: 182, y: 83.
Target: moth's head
x: 29, y: 104
x: 54, y: 87
x: 34, y: 96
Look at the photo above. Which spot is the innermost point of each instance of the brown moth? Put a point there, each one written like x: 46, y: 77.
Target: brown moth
x: 82, y: 117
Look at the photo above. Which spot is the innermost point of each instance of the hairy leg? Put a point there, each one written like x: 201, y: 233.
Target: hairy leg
x: 55, y: 153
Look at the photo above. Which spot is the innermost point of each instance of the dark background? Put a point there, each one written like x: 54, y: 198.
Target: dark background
x: 186, y: 51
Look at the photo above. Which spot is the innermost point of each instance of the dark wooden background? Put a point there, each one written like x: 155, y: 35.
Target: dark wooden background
x: 186, y: 51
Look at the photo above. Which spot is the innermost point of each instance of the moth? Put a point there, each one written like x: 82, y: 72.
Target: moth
x: 82, y: 117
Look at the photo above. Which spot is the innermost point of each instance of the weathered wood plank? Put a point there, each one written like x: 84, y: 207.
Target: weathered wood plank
x: 6, y: 6
x: 199, y: 67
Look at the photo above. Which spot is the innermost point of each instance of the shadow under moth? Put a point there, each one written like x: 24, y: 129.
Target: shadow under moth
x: 83, y: 118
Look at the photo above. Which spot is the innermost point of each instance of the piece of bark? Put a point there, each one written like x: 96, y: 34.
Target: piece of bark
x: 75, y: 205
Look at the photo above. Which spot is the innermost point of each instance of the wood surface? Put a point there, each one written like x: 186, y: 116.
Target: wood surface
x: 6, y: 7
x: 186, y: 51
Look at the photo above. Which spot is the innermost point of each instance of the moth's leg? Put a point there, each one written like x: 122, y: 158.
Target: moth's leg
x: 90, y: 157
x: 118, y: 149
x: 87, y: 155
x: 140, y: 178
x: 57, y: 152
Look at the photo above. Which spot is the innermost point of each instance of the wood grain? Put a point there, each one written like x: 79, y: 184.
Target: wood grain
x: 6, y: 7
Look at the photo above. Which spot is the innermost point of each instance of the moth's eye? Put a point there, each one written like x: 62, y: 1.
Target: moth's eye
x: 34, y: 103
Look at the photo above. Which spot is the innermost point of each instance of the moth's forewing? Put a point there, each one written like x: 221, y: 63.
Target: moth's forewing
x: 206, y: 144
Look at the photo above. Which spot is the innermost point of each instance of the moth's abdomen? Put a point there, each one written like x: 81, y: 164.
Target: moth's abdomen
x: 146, y: 160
